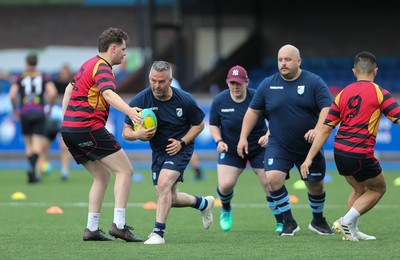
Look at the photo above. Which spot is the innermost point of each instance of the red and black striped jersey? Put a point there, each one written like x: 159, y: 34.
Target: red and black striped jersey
x: 87, y: 110
x: 358, y: 108
x: 31, y: 88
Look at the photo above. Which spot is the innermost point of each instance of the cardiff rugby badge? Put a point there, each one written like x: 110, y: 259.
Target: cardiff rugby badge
x: 300, y: 90
x: 179, y: 112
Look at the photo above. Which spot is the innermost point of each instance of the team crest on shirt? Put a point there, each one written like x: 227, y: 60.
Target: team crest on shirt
x: 300, y: 89
x: 179, y: 112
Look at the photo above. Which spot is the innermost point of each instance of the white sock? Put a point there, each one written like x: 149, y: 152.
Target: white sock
x: 93, y: 221
x: 351, y: 217
x: 64, y: 172
x: 356, y: 224
x: 119, y: 217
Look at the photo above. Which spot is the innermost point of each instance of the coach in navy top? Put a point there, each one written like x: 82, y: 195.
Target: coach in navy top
x: 296, y: 103
x: 180, y: 121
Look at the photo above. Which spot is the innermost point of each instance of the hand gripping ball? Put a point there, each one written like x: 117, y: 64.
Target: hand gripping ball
x: 149, y: 119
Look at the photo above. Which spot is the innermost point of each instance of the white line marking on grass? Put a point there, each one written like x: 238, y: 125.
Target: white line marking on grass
x: 139, y: 205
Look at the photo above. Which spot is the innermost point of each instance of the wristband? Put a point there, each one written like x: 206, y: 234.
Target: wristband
x: 218, y: 141
x: 183, y: 144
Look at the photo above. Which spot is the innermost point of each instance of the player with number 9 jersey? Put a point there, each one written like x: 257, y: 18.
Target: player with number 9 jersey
x: 360, y: 121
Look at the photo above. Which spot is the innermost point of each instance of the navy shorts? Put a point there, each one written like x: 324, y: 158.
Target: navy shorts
x: 33, y: 123
x: 90, y: 146
x: 256, y: 159
x: 360, y: 169
x: 178, y: 162
x: 278, y: 158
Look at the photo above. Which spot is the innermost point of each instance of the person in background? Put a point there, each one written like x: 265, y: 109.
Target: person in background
x: 63, y: 78
x: 358, y: 109
x: 28, y: 95
x: 52, y: 130
x: 53, y: 127
x: 295, y: 102
x: 226, y: 113
x: 85, y: 106
x: 194, y: 161
x: 179, y: 121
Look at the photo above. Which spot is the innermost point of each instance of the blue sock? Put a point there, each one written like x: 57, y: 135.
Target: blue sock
x: 225, y: 200
x: 317, y: 203
x: 282, y: 201
x: 272, y: 205
x: 159, y: 228
x: 200, y: 203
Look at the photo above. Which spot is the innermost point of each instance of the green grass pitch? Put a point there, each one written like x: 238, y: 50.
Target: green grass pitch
x: 29, y: 233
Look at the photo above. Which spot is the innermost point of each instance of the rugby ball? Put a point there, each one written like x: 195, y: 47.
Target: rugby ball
x: 149, y: 119
x: 45, y: 168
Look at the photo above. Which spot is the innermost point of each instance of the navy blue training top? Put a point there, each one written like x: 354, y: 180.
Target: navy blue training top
x: 292, y: 107
x: 174, y: 117
x: 228, y: 116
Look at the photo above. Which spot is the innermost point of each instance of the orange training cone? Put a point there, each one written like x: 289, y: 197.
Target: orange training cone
x: 54, y: 210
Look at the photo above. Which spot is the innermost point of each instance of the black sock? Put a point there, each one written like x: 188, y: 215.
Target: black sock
x: 199, y: 173
x: 32, y: 161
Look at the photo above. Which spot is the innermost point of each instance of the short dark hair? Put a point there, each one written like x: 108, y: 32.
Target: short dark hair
x: 110, y: 36
x: 365, y: 62
x: 32, y: 59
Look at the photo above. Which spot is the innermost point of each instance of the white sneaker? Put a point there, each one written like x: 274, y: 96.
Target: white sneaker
x: 206, y: 214
x: 347, y: 231
x: 154, y: 239
x: 362, y: 236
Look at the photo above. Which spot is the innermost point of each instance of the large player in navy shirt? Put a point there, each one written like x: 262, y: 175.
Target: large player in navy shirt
x: 180, y: 121
x: 296, y: 103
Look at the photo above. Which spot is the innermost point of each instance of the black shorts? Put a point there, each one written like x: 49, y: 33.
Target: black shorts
x: 53, y: 126
x: 33, y: 123
x: 360, y: 169
x: 90, y: 146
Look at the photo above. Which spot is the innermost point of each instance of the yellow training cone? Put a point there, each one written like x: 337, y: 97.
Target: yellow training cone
x: 18, y: 196
x: 299, y: 185
x: 217, y: 202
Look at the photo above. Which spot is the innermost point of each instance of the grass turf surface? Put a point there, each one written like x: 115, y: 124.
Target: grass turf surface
x: 29, y: 233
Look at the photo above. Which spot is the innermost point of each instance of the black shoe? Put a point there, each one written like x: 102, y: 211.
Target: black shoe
x: 124, y: 233
x: 289, y: 228
x: 321, y: 228
x: 199, y: 176
x: 33, y: 177
x: 97, y: 235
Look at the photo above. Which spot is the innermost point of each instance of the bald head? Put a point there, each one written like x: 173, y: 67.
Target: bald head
x: 289, y: 51
x: 289, y: 62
